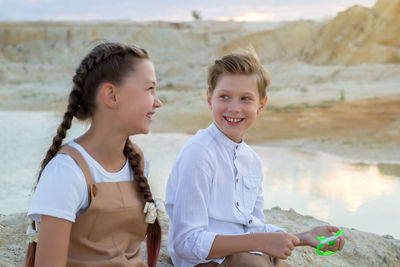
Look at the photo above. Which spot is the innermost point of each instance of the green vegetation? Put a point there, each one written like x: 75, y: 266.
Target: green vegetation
x: 196, y: 15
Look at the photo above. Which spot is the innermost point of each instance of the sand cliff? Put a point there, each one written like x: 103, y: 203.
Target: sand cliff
x: 356, y: 35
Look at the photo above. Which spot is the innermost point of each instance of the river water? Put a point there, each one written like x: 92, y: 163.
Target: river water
x: 361, y: 195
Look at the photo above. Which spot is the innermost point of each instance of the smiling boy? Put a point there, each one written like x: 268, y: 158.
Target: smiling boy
x: 214, y: 192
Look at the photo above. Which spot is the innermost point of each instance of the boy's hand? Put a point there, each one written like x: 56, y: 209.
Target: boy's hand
x: 277, y: 244
x: 310, y: 238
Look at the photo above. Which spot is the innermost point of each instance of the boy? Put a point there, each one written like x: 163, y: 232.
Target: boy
x: 214, y: 192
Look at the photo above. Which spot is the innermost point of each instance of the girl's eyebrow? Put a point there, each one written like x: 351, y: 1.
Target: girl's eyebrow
x: 152, y: 82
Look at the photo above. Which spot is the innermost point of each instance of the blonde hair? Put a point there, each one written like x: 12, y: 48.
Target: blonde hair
x: 245, y: 62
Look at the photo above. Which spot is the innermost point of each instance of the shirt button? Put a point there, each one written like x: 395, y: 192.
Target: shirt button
x: 237, y: 203
x: 251, y: 221
x: 237, y: 180
x: 234, y: 157
x: 237, y: 147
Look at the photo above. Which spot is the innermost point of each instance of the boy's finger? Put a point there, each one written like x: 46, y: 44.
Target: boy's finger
x: 335, y: 247
x: 332, y: 228
x: 295, y: 240
x: 341, y: 243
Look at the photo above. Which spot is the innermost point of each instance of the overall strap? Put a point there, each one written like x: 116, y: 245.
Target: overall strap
x: 77, y: 156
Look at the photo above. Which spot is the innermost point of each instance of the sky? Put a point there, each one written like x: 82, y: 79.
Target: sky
x: 177, y: 10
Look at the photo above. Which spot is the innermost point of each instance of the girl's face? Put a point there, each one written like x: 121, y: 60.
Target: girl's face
x: 235, y: 104
x: 138, y: 99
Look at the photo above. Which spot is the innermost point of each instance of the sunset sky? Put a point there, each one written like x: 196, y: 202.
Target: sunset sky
x: 179, y: 10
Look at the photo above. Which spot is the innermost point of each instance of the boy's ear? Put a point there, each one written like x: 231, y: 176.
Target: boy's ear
x: 108, y: 95
x: 209, y: 96
x: 263, y: 102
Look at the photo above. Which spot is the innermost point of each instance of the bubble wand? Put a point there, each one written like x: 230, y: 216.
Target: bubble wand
x: 330, y: 240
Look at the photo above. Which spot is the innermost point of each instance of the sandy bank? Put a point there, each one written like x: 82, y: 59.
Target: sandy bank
x: 364, y: 129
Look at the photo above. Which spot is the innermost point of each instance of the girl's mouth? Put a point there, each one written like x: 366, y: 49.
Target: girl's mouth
x: 150, y: 114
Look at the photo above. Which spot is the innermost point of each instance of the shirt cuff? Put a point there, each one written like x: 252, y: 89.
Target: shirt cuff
x: 36, y: 213
x: 205, y: 241
x: 272, y: 228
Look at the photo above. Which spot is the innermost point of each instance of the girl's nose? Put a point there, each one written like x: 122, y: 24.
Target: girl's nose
x: 157, y: 102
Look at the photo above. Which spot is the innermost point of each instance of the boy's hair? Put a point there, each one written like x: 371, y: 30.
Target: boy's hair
x: 246, y: 63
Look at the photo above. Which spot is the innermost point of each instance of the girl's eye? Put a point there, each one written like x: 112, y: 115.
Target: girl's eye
x: 151, y: 88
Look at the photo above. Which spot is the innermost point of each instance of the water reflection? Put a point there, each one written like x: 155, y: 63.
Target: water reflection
x: 359, y: 195
x: 332, y: 189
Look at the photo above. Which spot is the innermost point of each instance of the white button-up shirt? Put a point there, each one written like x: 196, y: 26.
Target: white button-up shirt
x: 215, y: 188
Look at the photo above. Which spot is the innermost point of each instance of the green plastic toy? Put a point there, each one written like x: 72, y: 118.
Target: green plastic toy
x: 331, y: 240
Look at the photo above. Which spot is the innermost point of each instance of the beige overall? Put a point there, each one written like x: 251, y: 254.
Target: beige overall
x: 248, y: 260
x: 109, y: 233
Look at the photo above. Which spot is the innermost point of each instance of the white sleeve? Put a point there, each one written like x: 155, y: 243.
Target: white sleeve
x: 61, y: 191
x: 192, y: 241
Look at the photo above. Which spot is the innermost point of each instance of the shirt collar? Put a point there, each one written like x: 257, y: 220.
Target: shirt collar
x: 221, y: 137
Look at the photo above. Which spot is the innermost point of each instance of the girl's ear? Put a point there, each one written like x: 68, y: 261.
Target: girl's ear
x: 108, y: 95
x: 263, y: 102
x: 209, y: 96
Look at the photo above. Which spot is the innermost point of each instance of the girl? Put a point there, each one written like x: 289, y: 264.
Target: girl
x: 91, y: 192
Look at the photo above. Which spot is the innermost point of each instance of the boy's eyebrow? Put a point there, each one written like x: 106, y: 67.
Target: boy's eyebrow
x: 223, y: 90
x: 250, y: 92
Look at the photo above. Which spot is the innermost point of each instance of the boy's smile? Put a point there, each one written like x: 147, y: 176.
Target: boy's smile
x: 235, y: 104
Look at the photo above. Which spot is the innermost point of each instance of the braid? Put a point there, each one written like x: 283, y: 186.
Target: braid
x: 135, y: 162
x: 154, y: 230
x: 57, y: 140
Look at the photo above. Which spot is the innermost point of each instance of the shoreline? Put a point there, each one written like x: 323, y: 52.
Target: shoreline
x: 363, y: 130
x: 359, y: 130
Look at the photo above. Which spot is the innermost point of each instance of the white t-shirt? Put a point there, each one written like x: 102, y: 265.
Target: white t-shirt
x: 62, y: 191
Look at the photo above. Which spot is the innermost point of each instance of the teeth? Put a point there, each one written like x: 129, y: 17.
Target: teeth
x: 233, y: 120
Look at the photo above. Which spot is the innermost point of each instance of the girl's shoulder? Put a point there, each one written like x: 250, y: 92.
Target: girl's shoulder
x: 63, y: 165
x: 61, y: 190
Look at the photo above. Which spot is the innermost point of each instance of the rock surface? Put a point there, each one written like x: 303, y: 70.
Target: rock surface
x: 361, y: 249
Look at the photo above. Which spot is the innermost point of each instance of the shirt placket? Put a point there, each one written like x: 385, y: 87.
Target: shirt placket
x: 247, y: 217
x: 237, y: 189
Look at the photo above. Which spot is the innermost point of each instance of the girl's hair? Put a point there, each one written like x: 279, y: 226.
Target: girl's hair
x: 107, y: 62
x: 245, y: 62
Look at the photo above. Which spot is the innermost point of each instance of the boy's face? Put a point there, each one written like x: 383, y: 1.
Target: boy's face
x: 235, y: 104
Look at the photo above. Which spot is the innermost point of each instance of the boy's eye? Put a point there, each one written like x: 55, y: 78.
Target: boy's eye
x: 224, y: 96
x: 245, y: 98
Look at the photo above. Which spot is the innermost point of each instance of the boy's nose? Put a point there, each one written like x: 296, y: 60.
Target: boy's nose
x: 234, y: 106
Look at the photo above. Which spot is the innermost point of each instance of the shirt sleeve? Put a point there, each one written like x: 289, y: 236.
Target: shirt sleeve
x: 61, y: 191
x: 192, y: 242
